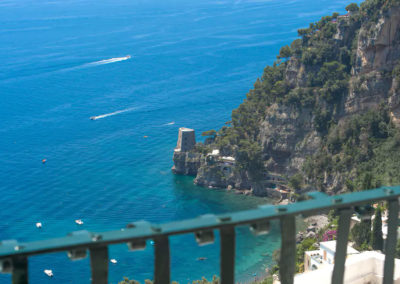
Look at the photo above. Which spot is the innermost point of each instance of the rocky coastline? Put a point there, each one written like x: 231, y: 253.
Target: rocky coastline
x: 291, y: 137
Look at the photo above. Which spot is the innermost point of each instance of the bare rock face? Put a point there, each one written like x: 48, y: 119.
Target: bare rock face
x: 378, y: 51
x: 211, y: 176
x: 287, y: 137
x: 186, y: 163
x: 295, y: 75
x: 377, y: 43
x: 367, y: 91
x: 215, y: 173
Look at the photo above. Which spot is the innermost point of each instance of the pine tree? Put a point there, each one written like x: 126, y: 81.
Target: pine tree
x: 376, y: 235
x: 361, y: 234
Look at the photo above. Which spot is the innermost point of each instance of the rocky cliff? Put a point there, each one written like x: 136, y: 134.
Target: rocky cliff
x: 322, y: 116
x: 187, y: 163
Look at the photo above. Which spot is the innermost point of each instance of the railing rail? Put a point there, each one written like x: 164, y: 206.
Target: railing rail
x: 14, y: 255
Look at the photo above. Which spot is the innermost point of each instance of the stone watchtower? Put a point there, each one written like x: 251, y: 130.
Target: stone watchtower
x: 186, y: 140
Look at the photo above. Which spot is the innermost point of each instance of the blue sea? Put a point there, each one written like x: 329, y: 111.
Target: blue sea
x: 191, y: 63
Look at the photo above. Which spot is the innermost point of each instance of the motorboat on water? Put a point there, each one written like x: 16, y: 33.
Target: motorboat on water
x: 79, y: 222
x: 48, y: 272
x: 128, y: 56
x: 93, y: 118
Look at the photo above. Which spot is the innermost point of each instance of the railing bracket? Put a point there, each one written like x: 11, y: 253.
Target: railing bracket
x: 204, y: 237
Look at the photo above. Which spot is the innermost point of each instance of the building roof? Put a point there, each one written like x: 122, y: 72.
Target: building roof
x: 358, y: 267
x: 311, y: 252
x: 228, y: 158
x: 186, y: 129
x: 331, y: 246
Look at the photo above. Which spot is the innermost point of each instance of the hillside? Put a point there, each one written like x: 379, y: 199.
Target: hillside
x: 325, y: 115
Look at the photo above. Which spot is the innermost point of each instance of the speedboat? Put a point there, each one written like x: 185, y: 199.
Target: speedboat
x: 48, y: 272
x: 113, y: 260
x: 38, y: 225
x: 79, y: 222
x: 128, y: 56
x: 93, y: 118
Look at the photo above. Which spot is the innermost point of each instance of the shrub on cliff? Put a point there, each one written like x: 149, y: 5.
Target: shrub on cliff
x: 296, y: 181
x: 362, y: 150
x: 249, y: 158
x: 210, y: 133
x: 284, y: 52
x: 353, y: 7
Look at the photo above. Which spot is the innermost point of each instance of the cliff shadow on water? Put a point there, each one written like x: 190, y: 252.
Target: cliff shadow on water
x: 217, y: 200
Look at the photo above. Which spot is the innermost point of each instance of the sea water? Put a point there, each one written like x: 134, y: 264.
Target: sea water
x: 142, y: 69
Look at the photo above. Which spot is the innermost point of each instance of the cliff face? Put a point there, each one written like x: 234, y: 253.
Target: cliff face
x: 221, y: 176
x: 287, y: 138
x: 301, y: 112
x: 377, y: 44
x: 186, y: 163
x: 378, y: 52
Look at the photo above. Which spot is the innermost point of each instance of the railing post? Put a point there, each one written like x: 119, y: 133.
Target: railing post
x: 162, y: 260
x: 391, y: 240
x: 341, y: 245
x: 99, y: 263
x: 20, y: 270
x: 227, y: 265
x: 287, y: 261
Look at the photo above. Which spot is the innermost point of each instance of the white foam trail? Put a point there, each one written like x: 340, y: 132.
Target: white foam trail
x: 96, y: 63
x: 107, y: 61
x: 170, y: 123
x: 112, y: 113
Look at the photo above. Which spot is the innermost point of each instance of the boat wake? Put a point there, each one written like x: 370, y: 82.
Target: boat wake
x: 112, y: 113
x: 170, y: 123
x: 107, y: 61
x: 68, y: 69
x: 96, y: 63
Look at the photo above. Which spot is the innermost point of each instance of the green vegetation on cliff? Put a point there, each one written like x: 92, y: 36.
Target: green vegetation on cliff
x: 364, y: 150
x: 318, y: 74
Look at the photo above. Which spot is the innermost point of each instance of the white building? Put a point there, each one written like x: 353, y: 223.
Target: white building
x: 360, y: 268
x: 317, y: 259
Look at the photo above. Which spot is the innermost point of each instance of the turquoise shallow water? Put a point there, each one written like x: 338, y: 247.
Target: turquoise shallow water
x: 192, y: 63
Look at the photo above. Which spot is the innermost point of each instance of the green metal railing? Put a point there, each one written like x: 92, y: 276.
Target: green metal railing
x: 14, y: 255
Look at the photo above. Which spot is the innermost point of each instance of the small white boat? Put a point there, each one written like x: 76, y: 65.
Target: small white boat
x: 38, y: 225
x: 79, y: 222
x: 48, y: 272
x: 93, y: 118
x: 113, y: 260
